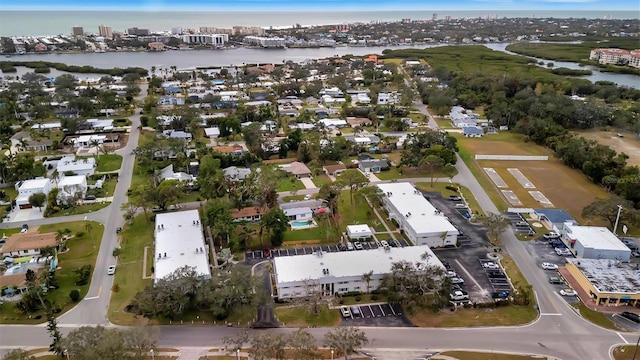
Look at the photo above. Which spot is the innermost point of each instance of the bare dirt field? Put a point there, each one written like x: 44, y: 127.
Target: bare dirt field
x: 566, y: 188
x: 627, y: 144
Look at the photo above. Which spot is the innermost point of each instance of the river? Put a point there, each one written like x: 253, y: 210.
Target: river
x: 190, y: 59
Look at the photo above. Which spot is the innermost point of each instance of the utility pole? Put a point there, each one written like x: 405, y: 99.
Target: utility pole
x: 635, y: 351
x: 615, y: 227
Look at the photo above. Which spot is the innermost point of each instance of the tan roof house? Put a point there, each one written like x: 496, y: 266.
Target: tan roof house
x: 250, y: 213
x: 297, y: 168
x: 334, y: 170
x: 28, y: 244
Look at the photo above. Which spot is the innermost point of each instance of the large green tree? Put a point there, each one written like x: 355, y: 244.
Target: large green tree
x: 352, y: 179
x: 276, y: 224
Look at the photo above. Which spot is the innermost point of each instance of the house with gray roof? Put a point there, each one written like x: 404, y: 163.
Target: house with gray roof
x: 373, y: 165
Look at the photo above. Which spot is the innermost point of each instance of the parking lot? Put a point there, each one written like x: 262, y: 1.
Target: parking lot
x: 267, y: 254
x: 466, y: 261
x: 519, y: 223
x: 375, y: 315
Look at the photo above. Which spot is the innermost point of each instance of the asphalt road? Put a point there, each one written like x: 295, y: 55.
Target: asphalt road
x: 558, y: 332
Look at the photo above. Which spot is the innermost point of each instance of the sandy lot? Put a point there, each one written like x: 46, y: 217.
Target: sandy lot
x: 627, y: 144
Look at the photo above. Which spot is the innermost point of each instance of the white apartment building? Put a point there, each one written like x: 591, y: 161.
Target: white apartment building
x: 421, y: 222
x: 179, y: 242
x: 634, y: 59
x: 610, y: 56
x: 341, y: 272
x: 265, y: 42
x: 209, y: 39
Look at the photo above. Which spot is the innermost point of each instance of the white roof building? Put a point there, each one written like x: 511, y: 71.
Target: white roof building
x: 333, y: 123
x: 179, y: 242
x: 341, y: 272
x: 96, y: 124
x: 594, y: 242
x: 359, y: 231
x: 212, y: 132
x: 72, y: 186
x: 81, y: 166
x: 422, y: 222
x: 30, y: 187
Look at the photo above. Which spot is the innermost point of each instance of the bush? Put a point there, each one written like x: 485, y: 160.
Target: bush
x: 358, y: 298
x: 115, y: 288
x: 452, y: 188
x: 374, y: 297
x: 352, y: 293
x: 80, y: 234
x: 74, y: 295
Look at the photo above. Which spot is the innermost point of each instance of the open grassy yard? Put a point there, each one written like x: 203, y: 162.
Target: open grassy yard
x: 321, y: 180
x: 628, y: 144
x: 501, y: 316
x: 110, y: 162
x: 625, y: 352
x: 82, y: 250
x: 290, y: 184
x: 293, y: 316
x: 566, y: 188
x: 128, y: 278
x: 81, y: 209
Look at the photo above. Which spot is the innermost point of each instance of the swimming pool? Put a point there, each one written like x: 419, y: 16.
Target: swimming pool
x: 295, y: 224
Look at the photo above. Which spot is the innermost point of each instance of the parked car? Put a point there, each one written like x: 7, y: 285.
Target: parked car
x: 455, y: 198
x: 555, y: 280
x: 118, y: 230
x: 635, y: 254
x: 631, y: 316
x: 557, y: 244
x: 23, y: 230
x: 451, y: 274
x: 562, y: 251
x: 551, y: 235
x: 522, y: 223
x: 384, y: 243
x: 350, y: 246
x: 358, y: 245
x: 568, y: 292
x: 307, y: 197
x: 111, y: 270
x: 549, y: 266
x: 459, y: 295
x: 25, y: 226
x: 344, y: 310
x: 457, y: 280
x: 355, y: 310
x: 90, y: 197
x: 490, y: 265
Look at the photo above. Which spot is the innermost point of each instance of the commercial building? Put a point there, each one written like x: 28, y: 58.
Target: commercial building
x: 594, y: 242
x: 179, y: 242
x: 341, y: 272
x: 77, y: 30
x: 105, y: 31
x: 607, y: 282
x: 421, y: 222
x: 265, y: 42
x: 213, y: 39
x: 30, y: 187
x: 137, y: 32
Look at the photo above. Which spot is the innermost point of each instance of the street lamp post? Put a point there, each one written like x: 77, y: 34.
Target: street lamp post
x: 615, y: 227
x: 152, y: 356
x: 635, y: 351
x: 237, y: 354
x: 66, y: 353
x: 331, y: 354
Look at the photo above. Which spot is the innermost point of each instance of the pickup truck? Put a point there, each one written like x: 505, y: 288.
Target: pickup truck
x: 459, y: 295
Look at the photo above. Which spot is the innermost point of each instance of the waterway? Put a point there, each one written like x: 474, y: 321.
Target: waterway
x: 190, y: 59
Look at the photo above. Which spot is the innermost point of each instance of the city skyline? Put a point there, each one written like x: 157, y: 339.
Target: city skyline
x: 326, y: 5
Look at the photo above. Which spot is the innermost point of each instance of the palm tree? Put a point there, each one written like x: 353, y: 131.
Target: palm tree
x: 89, y: 227
x: 366, y: 277
x: 96, y: 145
x: 55, y: 176
x: 23, y: 144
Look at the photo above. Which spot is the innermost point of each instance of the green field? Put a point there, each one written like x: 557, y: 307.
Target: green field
x: 110, y: 162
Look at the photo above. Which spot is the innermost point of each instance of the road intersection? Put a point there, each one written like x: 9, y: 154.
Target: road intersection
x: 558, y: 332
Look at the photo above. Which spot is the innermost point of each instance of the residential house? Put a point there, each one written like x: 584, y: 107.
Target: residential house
x: 373, y: 166
x: 22, y: 140
x: 167, y: 173
x: 177, y: 134
x: 302, y: 126
x: 388, y: 98
x: 472, y: 131
x: 334, y: 170
x: 170, y: 100
x: 250, y: 214
x: 462, y: 118
x: 81, y: 166
x: 359, y: 121
x: 71, y: 188
x: 88, y: 140
x: 289, y: 112
x: 212, y: 132
x: 299, y: 214
x: 27, y: 244
x: 234, y: 173
x: 30, y: 187
x: 360, y: 231
x: 101, y: 125
x: 333, y: 123
x: 296, y: 168
x: 316, y: 206
x: 236, y: 150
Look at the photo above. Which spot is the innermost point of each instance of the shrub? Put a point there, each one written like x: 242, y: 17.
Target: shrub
x: 452, y: 188
x: 115, y: 288
x: 374, y: 297
x: 80, y: 234
x: 74, y: 295
x: 358, y: 298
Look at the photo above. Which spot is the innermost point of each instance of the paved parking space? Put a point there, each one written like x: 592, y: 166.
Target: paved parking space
x: 519, y: 223
x: 377, y: 315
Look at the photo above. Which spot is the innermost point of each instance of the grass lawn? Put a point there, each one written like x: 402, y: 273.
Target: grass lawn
x: 324, y: 233
x: 81, y: 209
x: 472, y: 355
x: 364, y: 299
x: 293, y: 316
x: 110, y: 162
x: 189, y: 196
x: 625, y: 352
x: 108, y: 187
x: 595, y: 317
x: 128, y: 278
x: 513, y: 272
x: 290, y: 184
x: 321, y: 180
x: 82, y: 250
x: 501, y: 316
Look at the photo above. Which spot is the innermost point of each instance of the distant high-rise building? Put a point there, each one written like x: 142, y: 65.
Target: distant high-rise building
x: 434, y: 17
x: 105, y: 31
x: 447, y: 18
x: 136, y: 31
x: 77, y: 30
x: 176, y: 30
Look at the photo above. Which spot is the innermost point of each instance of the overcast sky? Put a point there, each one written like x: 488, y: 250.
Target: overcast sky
x: 327, y: 5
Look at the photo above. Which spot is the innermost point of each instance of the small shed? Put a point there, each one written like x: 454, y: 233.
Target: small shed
x: 362, y: 231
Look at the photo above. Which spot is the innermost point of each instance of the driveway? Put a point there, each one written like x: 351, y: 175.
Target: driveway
x: 308, y: 183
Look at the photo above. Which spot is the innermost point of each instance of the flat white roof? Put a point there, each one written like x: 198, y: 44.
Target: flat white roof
x: 78, y: 164
x: 422, y: 217
x: 347, y: 263
x: 594, y: 237
x: 361, y: 230
x: 72, y: 180
x: 179, y: 237
x: 34, y: 184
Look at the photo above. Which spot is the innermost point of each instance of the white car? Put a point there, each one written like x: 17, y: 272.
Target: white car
x: 307, y: 197
x: 451, y: 274
x: 457, y: 280
x: 344, y: 310
x: 358, y: 245
x: 551, y: 236
x: 459, y: 295
x: 490, y: 265
x: 111, y: 270
x: 549, y: 266
x: 568, y: 292
x: 562, y: 252
x: 384, y: 243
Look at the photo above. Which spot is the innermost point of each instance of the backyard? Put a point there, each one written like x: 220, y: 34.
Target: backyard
x: 110, y: 162
x: 82, y: 250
